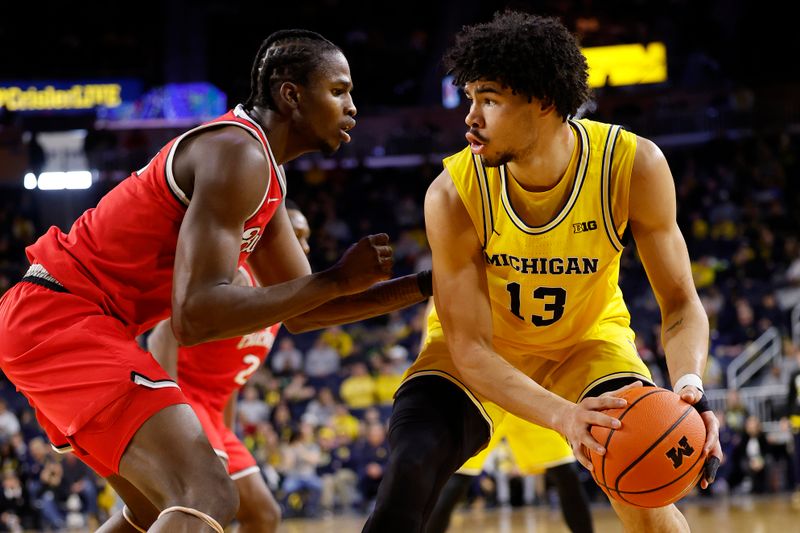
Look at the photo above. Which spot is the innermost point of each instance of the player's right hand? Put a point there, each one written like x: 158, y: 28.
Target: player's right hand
x: 365, y: 263
x: 587, y: 413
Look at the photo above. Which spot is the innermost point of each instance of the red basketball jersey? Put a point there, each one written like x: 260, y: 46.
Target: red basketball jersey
x: 121, y: 253
x: 210, y: 372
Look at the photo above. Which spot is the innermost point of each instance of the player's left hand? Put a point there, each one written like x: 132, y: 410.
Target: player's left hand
x: 712, y: 449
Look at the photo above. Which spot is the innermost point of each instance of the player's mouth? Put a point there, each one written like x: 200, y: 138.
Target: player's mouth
x: 476, y: 143
x: 344, y: 129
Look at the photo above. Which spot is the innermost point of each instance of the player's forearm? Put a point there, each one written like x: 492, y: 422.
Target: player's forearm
x: 492, y: 377
x: 227, y: 310
x: 684, y: 335
x: 380, y: 299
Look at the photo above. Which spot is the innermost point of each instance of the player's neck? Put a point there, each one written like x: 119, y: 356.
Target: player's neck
x: 277, y: 128
x: 546, y: 162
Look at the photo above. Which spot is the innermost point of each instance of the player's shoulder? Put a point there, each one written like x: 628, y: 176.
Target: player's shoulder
x: 228, y: 142
x: 649, y: 157
x: 442, y: 191
x: 647, y: 154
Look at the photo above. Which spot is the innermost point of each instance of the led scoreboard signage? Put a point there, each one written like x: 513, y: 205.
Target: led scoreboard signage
x: 65, y: 96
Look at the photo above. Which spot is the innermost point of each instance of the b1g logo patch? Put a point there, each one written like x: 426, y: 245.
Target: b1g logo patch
x: 250, y: 238
x: 581, y: 227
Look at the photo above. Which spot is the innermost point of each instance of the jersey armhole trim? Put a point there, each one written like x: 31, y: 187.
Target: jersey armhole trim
x: 273, y: 163
x: 170, y: 175
x: 605, y: 188
x: 483, y: 187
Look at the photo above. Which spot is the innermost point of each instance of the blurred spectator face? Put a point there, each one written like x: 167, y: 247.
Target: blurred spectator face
x: 250, y: 394
x: 11, y: 484
x: 744, y: 313
x: 307, y: 430
x: 372, y: 416
x: 267, y: 432
x: 327, y: 438
x: 18, y: 441
x: 326, y: 396
x: 732, y: 397
x: 38, y: 449
x: 287, y: 343
x: 282, y: 414
x: 752, y: 426
x: 376, y: 434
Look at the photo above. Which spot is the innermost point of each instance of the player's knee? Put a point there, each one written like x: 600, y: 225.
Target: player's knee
x: 263, y: 515
x: 217, y: 497
x: 420, y: 458
x: 228, y: 499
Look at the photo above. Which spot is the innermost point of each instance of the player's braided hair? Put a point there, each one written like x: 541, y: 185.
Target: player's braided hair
x: 532, y: 55
x: 286, y: 55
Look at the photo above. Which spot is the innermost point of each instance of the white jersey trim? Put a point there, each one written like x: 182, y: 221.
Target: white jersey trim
x: 150, y: 384
x: 221, y: 454
x: 242, y: 114
x: 605, y: 184
x: 249, y: 471
x: 272, y: 164
x: 577, y: 186
x: 173, y: 185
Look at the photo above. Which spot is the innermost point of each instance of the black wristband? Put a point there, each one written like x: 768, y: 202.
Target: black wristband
x: 702, y: 405
x: 425, y: 283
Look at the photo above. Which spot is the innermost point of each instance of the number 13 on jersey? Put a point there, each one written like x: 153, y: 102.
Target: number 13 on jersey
x: 554, y: 298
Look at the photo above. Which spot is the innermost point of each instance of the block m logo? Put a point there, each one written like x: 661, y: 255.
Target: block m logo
x: 676, y: 454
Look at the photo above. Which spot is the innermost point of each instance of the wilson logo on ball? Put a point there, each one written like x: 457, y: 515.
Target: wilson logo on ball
x: 676, y: 454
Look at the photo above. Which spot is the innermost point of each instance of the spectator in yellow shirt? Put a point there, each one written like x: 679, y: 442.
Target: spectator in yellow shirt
x: 358, y: 391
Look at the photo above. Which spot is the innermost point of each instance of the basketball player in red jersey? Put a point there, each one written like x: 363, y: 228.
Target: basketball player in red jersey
x: 168, y: 241
x: 210, y: 376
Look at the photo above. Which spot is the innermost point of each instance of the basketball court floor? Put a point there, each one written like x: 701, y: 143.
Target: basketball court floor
x: 723, y: 515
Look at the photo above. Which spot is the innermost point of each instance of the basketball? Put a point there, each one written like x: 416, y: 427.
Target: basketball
x: 656, y: 457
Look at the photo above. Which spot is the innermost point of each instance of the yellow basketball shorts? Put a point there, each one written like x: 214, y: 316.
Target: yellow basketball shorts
x: 586, y: 365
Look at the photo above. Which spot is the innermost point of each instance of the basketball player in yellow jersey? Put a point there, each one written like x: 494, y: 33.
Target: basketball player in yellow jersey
x: 525, y: 228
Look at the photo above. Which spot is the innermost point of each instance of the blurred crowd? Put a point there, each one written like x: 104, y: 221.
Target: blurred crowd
x: 315, y: 415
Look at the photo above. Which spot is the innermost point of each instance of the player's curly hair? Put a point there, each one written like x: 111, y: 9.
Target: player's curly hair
x: 286, y: 55
x: 532, y: 55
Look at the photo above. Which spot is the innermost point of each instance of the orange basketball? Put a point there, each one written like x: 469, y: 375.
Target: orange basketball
x: 656, y: 457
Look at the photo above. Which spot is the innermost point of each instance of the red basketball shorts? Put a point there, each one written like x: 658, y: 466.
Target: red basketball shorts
x: 90, y: 383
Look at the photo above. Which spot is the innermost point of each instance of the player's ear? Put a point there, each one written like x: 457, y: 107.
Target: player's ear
x: 547, y: 107
x: 289, y: 94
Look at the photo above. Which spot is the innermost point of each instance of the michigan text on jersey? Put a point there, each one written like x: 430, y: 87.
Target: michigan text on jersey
x: 544, y: 265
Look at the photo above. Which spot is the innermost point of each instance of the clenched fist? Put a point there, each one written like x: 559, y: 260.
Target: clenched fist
x: 365, y: 263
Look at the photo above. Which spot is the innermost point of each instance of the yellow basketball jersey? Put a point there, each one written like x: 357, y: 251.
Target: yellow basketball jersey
x: 555, y: 285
